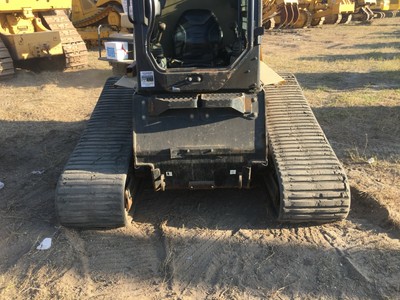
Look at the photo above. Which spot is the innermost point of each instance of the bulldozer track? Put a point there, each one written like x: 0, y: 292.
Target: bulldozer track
x: 73, y: 46
x: 100, y: 15
x: 90, y: 191
x: 6, y: 62
x: 312, y: 184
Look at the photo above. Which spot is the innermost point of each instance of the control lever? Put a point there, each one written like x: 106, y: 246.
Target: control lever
x: 157, y: 49
x: 161, y: 29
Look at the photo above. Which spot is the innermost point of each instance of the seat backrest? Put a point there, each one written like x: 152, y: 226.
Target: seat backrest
x: 198, y: 38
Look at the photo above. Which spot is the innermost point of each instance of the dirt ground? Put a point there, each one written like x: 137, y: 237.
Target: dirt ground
x: 212, y: 244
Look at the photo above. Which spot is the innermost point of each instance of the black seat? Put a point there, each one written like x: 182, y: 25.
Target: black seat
x: 198, y: 38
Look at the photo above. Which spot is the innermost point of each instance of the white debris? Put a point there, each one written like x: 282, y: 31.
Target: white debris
x: 38, y: 172
x: 45, y: 244
x: 1, y: 185
x: 371, y: 160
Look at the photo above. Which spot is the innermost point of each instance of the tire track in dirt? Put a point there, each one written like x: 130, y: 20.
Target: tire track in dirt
x: 352, y: 267
x: 196, y: 236
x: 333, y: 254
x: 364, y: 257
x: 128, y: 258
x: 191, y: 257
x: 222, y: 249
x: 166, y: 267
x: 370, y: 211
x: 78, y: 244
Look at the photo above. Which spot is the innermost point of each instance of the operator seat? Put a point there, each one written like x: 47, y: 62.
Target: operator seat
x: 198, y: 39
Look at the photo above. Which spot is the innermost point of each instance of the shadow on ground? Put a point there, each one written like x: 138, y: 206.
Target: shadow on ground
x: 161, y: 250
x: 350, y: 80
x: 364, y: 56
x: 373, y: 46
x: 370, y: 130
x: 385, y: 35
x: 46, y: 146
x: 366, y: 210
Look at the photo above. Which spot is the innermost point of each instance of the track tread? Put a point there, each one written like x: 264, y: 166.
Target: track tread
x: 74, y: 47
x: 313, y: 186
x: 90, y: 191
x: 6, y: 62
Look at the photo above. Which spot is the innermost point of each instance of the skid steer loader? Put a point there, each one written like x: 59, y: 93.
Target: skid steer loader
x: 200, y: 118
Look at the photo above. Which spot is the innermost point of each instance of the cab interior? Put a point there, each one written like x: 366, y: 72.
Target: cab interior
x: 199, y: 34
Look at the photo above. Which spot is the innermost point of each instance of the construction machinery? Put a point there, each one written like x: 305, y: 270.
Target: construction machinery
x: 363, y: 11
x: 386, y: 8
x: 38, y: 29
x: 328, y: 12
x: 88, y: 15
x: 280, y: 13
x: 305, y: 13
x: 201, y: 116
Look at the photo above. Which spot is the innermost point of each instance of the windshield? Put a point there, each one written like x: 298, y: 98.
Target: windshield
x: 198, y: 34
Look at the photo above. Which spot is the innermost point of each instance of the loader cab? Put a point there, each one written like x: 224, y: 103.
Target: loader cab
x: 197, y: 46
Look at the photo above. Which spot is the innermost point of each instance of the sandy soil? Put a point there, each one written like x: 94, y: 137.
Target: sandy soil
x: 212, y: 244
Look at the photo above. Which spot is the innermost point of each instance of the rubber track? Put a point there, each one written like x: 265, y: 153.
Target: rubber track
x: 312, y: 183
x: 6, y: 62
x: 90, y: 191
x: 74, y: 47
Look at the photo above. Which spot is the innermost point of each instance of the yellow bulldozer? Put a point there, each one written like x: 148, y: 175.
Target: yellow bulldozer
x: 38, y: 29
x: 88, y: 15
